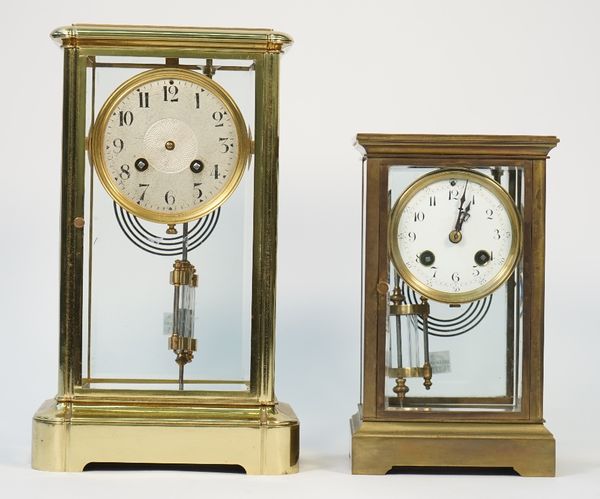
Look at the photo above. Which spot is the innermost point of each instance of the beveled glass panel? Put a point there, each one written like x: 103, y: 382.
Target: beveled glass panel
x: 128, y: 300
x: 474, y: 348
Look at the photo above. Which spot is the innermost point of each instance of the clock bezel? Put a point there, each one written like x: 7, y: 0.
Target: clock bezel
x: 98, y: 130
x: 512, y: 258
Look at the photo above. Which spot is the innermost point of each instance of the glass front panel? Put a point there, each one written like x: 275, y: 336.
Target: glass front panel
x: 129, y: 294
x: 453, y: 342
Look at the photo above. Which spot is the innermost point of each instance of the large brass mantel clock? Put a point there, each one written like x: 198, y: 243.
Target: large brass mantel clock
x: 169, y: 225
x: 453, y: 304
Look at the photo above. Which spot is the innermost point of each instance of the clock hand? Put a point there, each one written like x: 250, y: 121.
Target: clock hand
x: 462, y: 218
x: 455, y: 235
x: 460, y: 208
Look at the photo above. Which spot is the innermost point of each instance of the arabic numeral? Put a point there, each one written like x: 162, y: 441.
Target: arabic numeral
x: 197, y: 190
x: 118, y: 145
x: 224, y: 146
x: 218, y: 117
x: 124, y: 173
x: 170, y: 92
x: 490, y: 214
x: 419, y: 216
x: 455, y: 277
x: 144, y: 98
x: 125, y: 118
x: 144, y: 189
x: 169, y: 198
x: 432, y: 201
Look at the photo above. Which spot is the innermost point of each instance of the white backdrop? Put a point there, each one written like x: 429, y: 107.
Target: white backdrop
x: 510, y: 67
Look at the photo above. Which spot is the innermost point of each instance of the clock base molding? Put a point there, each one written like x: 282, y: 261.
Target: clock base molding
x: 378, y: 446
x: 68, y: 436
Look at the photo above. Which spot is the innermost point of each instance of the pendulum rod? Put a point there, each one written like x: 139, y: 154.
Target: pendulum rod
x: 427, y: 370
x: 184, y: 244
x: 398, y: 326
x: 181, y: 365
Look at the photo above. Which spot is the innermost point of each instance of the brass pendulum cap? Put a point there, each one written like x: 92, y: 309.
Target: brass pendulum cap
x: 401, y: 389
x: 427, y: 374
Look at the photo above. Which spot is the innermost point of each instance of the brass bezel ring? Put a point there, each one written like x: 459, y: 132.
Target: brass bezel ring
x: 97, y: 135
x: 515, y: 222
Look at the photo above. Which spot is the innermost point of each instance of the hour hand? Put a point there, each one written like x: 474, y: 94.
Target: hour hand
x: 463, y: 217
x: 455, y: 235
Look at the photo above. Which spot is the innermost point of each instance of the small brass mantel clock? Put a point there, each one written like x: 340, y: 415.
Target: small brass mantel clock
x: 169, y: 206
x: 453, y: 300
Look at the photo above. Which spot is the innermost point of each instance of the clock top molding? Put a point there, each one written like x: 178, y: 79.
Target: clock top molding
x: 133, y: 38
x: 376, y: 145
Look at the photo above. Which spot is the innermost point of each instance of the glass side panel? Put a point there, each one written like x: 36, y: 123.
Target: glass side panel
x: 362, y: 277
x: 473, y: 347
x: 128, y: 302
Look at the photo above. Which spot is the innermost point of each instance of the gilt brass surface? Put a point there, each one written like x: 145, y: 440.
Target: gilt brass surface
x: 182, y: 343
x: 454, y: 431
x: 68, y: 436
x: 404, y: 372
x: 153, y: 38
x: 409, y: 309
x: 183, y: 274
x: 378, y: 446
x: 248, y: 427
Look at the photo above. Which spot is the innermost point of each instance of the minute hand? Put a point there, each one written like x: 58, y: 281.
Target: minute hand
x: 460, y: 210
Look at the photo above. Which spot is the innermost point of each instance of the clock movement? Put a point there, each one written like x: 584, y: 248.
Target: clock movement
x: 453, y: 303
x: 168, y: 252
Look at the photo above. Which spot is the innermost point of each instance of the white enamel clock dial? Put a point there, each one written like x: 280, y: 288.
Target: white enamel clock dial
x: 455, y: 236
x: 169, y: 145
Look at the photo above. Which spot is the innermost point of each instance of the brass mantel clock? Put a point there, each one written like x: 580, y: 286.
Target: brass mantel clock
x: 169, y: 206
x: 453, y: 302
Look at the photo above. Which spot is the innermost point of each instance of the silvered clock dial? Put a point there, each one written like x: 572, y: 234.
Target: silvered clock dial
x: 169, y: 145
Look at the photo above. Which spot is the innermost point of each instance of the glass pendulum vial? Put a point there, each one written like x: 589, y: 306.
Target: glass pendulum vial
x: 181, y: 341
x: 411, y: 361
